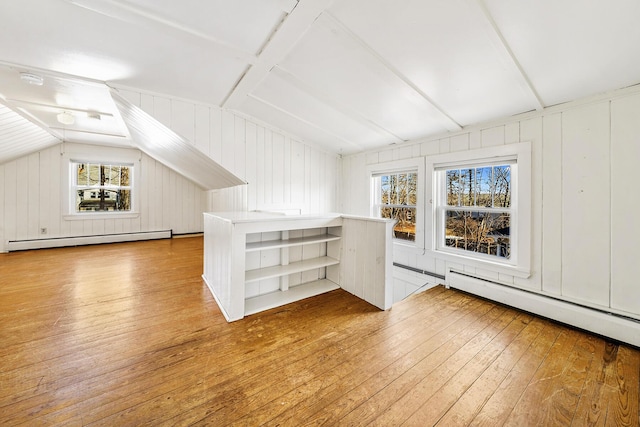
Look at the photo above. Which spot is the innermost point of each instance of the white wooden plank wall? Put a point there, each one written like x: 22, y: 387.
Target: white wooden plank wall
x: 30, y: 192
x: 365, y: 262
x: 586, y: 187
x: 584, y: 232
x: 625, y: 232
x: 282, y: 172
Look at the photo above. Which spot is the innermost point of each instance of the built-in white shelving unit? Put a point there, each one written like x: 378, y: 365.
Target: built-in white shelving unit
x: 283, y: 270
x: 255, y: 261
x: 298, y: 241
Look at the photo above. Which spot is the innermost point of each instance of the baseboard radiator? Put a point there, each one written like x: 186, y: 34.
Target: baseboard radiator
x: 419, y: 271
x: 610, y: 325
x: 22, y: 245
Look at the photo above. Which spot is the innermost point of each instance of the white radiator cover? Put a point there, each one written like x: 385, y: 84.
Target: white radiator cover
x: 21, y: 245
x: 609, y: 325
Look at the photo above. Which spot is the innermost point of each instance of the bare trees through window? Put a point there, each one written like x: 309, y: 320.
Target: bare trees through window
x: 477, y: 215
x: 397, y: 200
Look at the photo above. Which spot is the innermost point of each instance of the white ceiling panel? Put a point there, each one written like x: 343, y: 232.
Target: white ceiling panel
x: 123, y: 48
x: 94, y: 116
x: 347, y: 75
x: 447, y: 49
x: 330, y: 60
x: 573, y: 49
x: 244, y: 25
x: 307, y: 131
x: 287, y: 94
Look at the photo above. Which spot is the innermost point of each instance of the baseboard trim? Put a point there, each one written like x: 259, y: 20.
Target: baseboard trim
x: 610, y: 325
x: 23, y: 245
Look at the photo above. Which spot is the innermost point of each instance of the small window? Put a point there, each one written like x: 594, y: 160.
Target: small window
x: 98, y: 187
x: 396, y: 198
x: 397, y: 193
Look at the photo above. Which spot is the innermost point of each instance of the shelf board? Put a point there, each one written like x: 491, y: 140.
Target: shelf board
x: 296, y: 241
x: 283, y: 270
x: 296, y: 293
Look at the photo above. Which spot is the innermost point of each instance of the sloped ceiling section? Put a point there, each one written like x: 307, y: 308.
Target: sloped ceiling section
x: 350, y: 75
x: 42, y: 96
x: 368, y: 73
x: 19, y: 136
x: 164, y: 145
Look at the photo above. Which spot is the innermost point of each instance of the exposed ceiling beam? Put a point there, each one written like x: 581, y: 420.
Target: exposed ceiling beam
x: 334, y: 104
x: 88, y: 132
x: 285, y: 37
x: 125, y: 12
x: 503, y: 47
x: 445, y: 120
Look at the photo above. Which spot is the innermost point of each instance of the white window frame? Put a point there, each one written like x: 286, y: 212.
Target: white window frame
x: 519, y: 156
x: 76, y: 153
x: 415, y: 164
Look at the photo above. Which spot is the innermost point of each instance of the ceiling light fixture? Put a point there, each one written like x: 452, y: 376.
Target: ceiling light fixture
x: 32, y: 79
x: 66, y: 118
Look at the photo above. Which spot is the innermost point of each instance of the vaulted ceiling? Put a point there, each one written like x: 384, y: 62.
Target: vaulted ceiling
x: 349, y: 75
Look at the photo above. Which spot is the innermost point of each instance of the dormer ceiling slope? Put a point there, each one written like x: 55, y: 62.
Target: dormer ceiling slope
x: 41, y: 109
x: 350, y: 75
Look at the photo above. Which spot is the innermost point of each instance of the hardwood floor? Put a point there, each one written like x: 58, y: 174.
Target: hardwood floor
x: 128, y: 334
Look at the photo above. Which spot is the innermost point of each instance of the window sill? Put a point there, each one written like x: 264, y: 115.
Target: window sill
x: 114, y: 215
x: 512, y: 270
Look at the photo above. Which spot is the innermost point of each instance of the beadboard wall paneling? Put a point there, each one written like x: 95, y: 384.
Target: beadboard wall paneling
x: 30, y: 200
x: 584, y: 234
x: 281, y: 171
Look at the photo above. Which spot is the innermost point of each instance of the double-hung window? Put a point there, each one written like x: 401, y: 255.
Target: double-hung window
x: 396, y: 198
x: 475, y: 210
x: 396, y: 193
x: 481, y: 207
x: 100, y: 182
x: 100, y: 187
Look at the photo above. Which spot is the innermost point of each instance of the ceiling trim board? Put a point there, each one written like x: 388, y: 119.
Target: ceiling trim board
x: 293, y: 27
x: 235, y: 85
x: 88, y: 132
x: 128, y: 13
x: 505, y: 50
x: 55, y: 108
x: 295, y: 81
x: 305, y: 121
x: 287, y: 5
x: 46, y: 73
x: 445, y: 120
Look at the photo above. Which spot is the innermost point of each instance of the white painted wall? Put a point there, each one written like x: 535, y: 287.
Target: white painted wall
x: 585, y: 231
x: 30, y: 199
x: 282, y: 172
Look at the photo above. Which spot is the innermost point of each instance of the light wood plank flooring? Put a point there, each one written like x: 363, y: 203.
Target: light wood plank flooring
x: 128, y: 335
